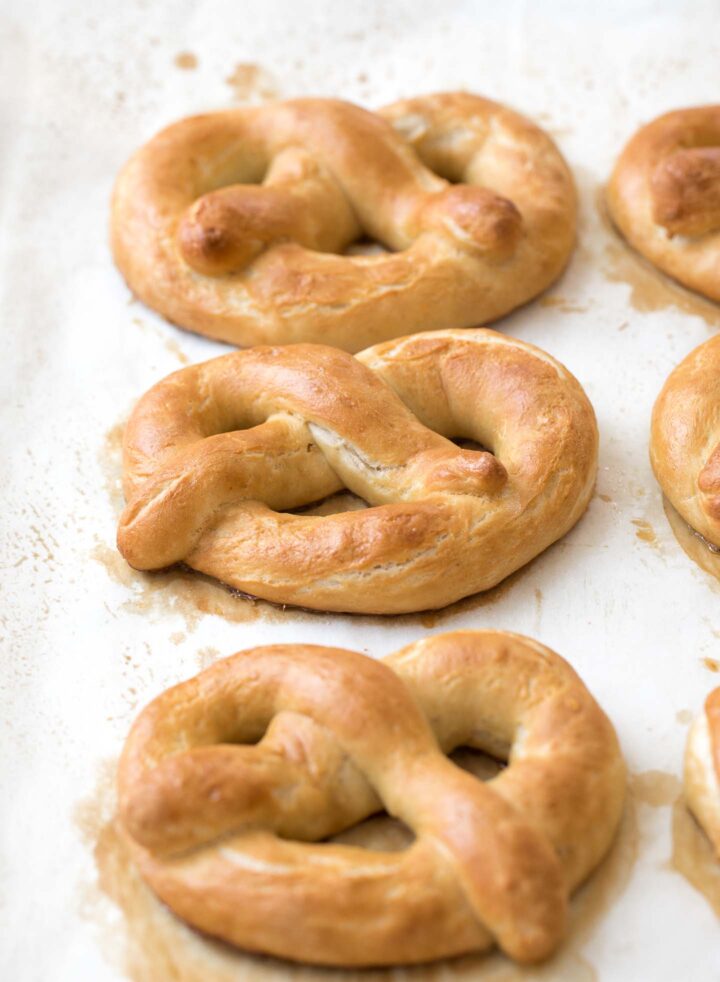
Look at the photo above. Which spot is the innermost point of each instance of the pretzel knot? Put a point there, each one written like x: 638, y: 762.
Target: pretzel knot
x: 233, y: 224
x: 664, y: 195
x: 685, y: 440
x: 218, y: 454
x: 337, y: 736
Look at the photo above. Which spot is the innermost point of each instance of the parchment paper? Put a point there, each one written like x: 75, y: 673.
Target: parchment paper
x: 87, y: 642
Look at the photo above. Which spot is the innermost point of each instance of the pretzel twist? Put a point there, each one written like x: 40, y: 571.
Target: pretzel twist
x: 664, y: 196
x: 217, y: 454
x: 340, y: 736
x: 702, y: 769
x: 230, y: 224
x: 685, y: 440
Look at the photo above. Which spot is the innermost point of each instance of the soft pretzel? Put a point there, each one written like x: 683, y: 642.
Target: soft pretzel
x: 335, y: 736
x: 232, y: 224
x: 217, y: 454
x: 702, y: 769
x: 664, y: 196
x: 685, y: 440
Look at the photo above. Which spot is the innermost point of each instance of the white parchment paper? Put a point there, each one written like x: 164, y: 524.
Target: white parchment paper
x: 86, y: 643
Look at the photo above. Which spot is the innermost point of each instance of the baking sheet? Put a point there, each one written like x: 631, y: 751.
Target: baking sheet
x: 86, y: 642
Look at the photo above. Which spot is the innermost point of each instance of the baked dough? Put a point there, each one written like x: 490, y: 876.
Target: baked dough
x: 228, y: 781
x: 217, y: 454
x: 664, y: 196
x: 685, y: 440
x: 702, y: 767
x: 232, y: 224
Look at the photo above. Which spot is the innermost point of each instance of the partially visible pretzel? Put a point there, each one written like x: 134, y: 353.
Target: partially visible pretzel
x: 217, y: 454
x: 664, y: 196
x: 337, y: 736
x: 231, y: 224
x: 702, y: 769
x: 685, y: 440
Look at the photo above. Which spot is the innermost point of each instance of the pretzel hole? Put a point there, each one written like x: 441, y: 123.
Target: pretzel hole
x: 383, y: 833
x: 366, y: 247
x: 333, y: 505
x: 465, y: 443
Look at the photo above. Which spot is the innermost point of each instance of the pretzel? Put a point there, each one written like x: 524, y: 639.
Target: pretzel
x: 702, y: 769
x: 335, y: 736
x: 664, y: 196
x: 233, y: 224
x: 217, y: 454
x: 685, y: 441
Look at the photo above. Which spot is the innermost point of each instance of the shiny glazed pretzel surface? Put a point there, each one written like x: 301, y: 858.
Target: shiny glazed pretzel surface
x: 664, y: 195
x: 231, y: 223
x: 217, y: 454
x: 337, y: 736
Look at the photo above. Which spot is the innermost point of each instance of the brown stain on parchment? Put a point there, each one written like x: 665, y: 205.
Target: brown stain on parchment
x: 692, y: 544
x: 562, y: 305
x: 650, y: 290
x: 182, y: 591
x: 169, y: 343
x: 644, y: 531
x: 186, y: 60
x: 658, y: 789
x: 250, y: 81
x: 151, y: 944
x: 693, y: 856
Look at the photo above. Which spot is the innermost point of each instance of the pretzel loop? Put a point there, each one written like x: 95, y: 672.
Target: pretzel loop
x: 305, y: 421
x: 343, y: 736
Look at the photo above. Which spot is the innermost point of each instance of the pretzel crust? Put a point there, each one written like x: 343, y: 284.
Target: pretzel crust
x: 685, y: 439
x: 664, y: 196
x: 231, y: 224
x: 702, y: 769
x: 217, y: 454
x: 213, y: 823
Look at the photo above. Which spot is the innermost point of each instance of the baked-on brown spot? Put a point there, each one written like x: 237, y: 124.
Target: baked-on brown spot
x: 659, y: 789
x: 186, y: 60
x: 644, y: 531
x: 249, y: 81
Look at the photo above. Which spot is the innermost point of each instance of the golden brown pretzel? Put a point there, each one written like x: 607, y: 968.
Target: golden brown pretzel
x: 337, y: 736
x: 664, y: 196
x: 216, y: 454
x: 230, y: 224
x: 702, y: 769
x: 685, y: 440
